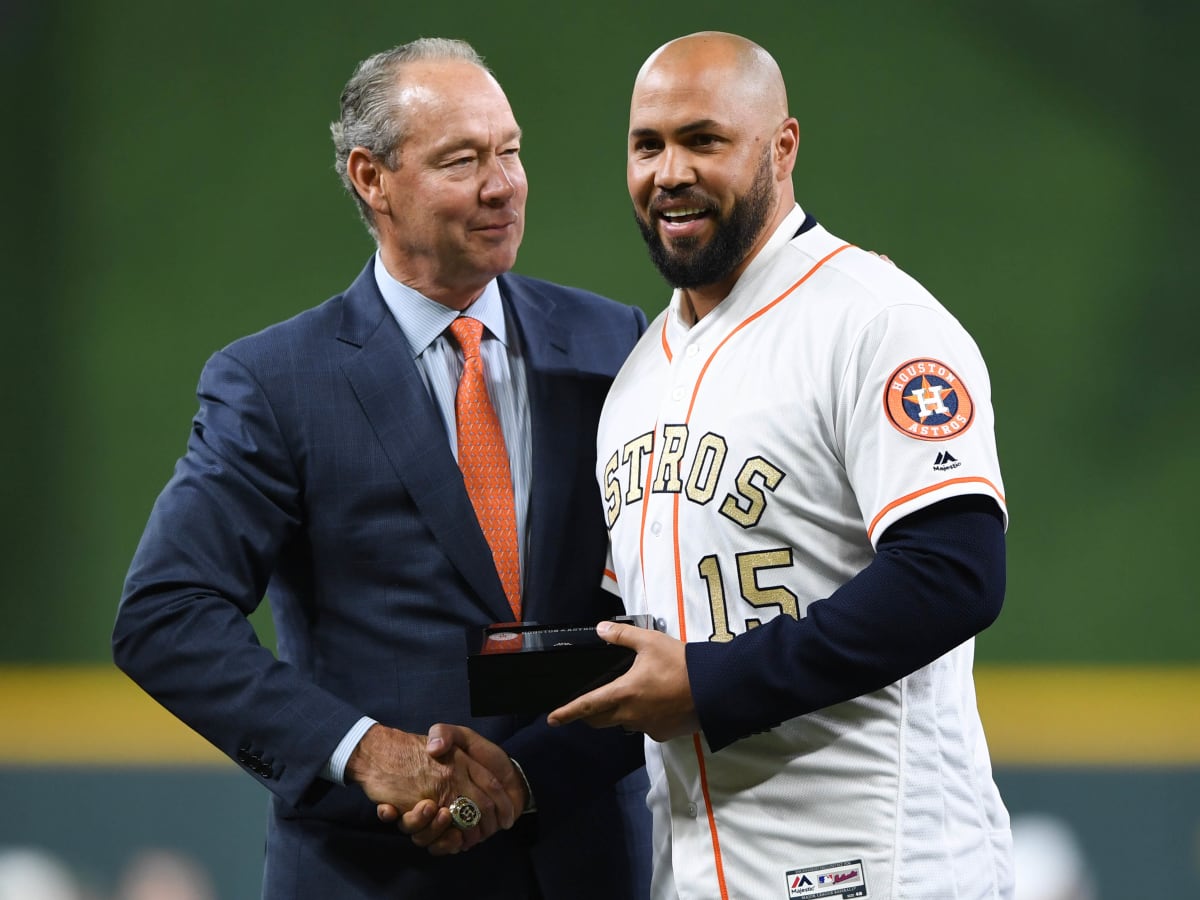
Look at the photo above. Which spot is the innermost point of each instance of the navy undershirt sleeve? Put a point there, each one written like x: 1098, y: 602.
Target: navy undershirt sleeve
x: 937, y: 579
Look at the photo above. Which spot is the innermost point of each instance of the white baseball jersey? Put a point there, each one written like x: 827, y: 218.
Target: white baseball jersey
x: 749, y: 463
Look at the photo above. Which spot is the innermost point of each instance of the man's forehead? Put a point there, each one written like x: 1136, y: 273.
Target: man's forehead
x: 671, y: 100
x: 675, y: 105
x: 698, y: 87
x: 476, y: 134
x: 486, y: 130
x: 677, y: 123
x: 444, y: 82
x: 417, y: 93
x: 450, y: 109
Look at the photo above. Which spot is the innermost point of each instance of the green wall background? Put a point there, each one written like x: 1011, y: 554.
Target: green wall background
x: 169, y: 187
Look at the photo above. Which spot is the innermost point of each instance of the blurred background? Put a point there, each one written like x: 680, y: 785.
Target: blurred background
x: 170, y: 188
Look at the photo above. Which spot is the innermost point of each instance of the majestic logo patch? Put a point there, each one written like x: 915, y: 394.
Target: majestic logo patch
x: 843, y: 880
x: 925, y: 399
x: 945, y: 462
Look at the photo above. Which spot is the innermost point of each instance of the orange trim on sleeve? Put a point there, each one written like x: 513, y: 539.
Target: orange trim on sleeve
x: 935, y: 487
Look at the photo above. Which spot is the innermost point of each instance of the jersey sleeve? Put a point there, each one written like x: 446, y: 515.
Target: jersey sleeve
x: 916, y: 422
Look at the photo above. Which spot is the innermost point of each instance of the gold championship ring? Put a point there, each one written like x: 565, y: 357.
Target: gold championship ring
x: 465, y: 813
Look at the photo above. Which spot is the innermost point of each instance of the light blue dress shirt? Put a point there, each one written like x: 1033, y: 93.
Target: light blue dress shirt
x: 439, y: 359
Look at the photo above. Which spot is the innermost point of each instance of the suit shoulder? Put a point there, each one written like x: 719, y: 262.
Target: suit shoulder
x: 300, y: 330
x: 577, y: 300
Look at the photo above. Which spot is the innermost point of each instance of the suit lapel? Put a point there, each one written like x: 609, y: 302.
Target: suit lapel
x: 394, y: 398
x: 556, y: 432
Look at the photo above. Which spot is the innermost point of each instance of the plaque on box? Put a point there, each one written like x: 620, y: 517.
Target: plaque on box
x: 523, y: 667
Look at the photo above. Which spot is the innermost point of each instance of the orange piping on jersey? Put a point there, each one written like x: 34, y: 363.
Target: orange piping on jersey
x: 645, y: 508
x: 748, y: 320
x: 712, y: 822
x: 935, y: 487
x: 679, y: 610
x: 691, y: 405
x: 666, y: 347
x: 609, y: 573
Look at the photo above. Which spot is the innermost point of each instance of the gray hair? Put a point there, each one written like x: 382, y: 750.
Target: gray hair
x: 370, y: 117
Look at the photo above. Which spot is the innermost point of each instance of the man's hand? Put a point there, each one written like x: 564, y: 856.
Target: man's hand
x: 429, y: 823
x: 394, y: 769
x: 654, y: 696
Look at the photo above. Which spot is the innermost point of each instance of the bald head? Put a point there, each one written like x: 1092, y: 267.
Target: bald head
x: 722, y: 63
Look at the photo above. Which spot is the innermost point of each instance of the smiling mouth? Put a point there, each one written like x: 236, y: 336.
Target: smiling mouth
x: 683, y: 214
x: 495, y: 227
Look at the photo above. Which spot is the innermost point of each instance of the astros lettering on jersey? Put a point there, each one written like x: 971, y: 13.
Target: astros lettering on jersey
x: 748, y: 464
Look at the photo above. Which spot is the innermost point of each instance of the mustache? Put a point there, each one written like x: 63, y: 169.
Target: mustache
x: 687, y: 196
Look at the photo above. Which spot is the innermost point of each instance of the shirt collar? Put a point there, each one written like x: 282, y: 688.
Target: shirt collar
x: 781, y: 236
x: 423, y: 320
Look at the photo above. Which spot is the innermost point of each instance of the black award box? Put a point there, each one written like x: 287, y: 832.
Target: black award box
x: 516, y: 668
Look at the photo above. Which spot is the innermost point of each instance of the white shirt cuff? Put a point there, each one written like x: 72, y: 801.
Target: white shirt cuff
x: 335, y: 768
x: 531, y: 806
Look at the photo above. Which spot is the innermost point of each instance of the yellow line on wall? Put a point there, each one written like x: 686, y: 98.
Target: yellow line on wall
x: 1091, y: 715
x: 90, y: 716
x: 1033, y: 715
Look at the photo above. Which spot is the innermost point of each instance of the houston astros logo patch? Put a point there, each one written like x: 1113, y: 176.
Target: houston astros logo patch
x: 926, y: 399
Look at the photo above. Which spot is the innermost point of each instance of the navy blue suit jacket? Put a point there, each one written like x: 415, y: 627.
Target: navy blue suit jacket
x: 318, y: 472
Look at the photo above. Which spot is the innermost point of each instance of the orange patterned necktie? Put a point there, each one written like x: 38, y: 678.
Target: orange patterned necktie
x: 484, y: 461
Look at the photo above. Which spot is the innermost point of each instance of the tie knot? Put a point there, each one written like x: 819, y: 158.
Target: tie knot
x: 467, y: 332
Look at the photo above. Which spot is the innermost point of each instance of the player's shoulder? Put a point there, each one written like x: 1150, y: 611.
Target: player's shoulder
x: 859, y: 277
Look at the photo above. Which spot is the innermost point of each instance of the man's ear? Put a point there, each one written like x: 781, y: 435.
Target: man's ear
x: 366, y: 174
x: 787, y: 143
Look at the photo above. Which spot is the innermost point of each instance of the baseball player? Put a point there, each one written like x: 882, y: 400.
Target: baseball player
x: 801, y: 483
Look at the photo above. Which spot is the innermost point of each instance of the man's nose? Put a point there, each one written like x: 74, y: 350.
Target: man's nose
x: 673, y: 169
x: 498, y: 183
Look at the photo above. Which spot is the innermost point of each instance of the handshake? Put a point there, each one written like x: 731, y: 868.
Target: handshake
x: 453, y: 788
x: 448, y: 790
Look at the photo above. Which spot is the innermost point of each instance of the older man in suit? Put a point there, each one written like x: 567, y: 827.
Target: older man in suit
x: 327, y: 466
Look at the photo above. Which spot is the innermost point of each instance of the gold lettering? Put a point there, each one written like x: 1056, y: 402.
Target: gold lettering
x: 612, y: 490
x: 667, y: 474
x: 634, y: 456
x: 755, y: 470
x: 710, y: 457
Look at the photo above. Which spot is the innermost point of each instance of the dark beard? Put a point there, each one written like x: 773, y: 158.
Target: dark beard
x: 689, y: 264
